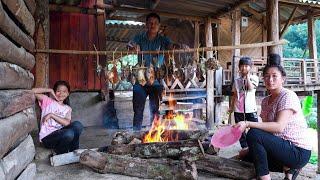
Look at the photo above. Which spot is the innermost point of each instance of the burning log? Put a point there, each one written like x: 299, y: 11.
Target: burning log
x: 143, y: 168
x: 127, y: 137
x: 229, y: 168
x: 187, y: 149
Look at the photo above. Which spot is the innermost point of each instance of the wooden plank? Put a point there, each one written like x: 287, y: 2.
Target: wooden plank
x: 182, y: 107
x: 210, y: 99
x: 224, y: 167
x: 29, y: 173
x: 273, y: 24
x: 236, y: 40
x: 14, y: 77
x: 13, y: 101
x: 68, y: 158
x: 183, y: 97
x: 15, y: 55
x: 138, y: 167
x: 25, y: 121
x: 22, y: 14
x: 83, y: 73
x: 31, y: 4
x: 91, y: 27
x: 196, y: 43
x: 74, y: 36
x: 12, y: 30
x: 18, y: 159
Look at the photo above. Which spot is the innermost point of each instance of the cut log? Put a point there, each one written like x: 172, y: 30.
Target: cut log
x: 15, y: 55
x: 224, y: 167
x: 31, y: 4
x: 22, y: 14
x: 11, y: 29
x: 188, y: 149
x: 15, y: 127
x: 14, y: 77
x: 29, y: 173
x: 143, y: 168
x: 13, y: 101
x: 18, y: 159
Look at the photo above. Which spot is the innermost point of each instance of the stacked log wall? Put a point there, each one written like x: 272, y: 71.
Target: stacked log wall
x: 17, y: 114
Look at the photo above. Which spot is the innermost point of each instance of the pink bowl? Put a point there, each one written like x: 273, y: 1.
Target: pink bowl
x: 226, y: 136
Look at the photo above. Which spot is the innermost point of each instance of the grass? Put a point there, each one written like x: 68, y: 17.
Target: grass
x: 313, y: 158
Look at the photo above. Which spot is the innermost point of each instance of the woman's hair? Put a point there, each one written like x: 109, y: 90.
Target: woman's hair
x: 274, y: 61
x: 62, y: 83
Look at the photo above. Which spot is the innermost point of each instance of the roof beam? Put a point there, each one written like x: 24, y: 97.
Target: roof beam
x: 154, y: 4
x: 165, y: 14
x: 288, y: 22
x: 290, y: 2
x: 226, y: 10
x: 303, y: 18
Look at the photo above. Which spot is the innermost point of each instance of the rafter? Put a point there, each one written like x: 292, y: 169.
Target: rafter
x: 226, y: 10
x: 288, y: 22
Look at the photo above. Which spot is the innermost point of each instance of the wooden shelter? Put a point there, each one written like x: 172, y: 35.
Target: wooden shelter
x: 45, y: 41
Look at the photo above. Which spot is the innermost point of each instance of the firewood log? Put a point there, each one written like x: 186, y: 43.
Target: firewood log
x: 22, y: 14
x: 224, y: 167
x: 14, y: 77
x: 18, y: 159
x: 13, y: 101
x: 143, y: 168
x: 12, y: 30
x: 12, y: 54
x: 14, y: 127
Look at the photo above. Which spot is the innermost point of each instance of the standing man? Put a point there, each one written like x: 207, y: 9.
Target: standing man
x: 149, y: 40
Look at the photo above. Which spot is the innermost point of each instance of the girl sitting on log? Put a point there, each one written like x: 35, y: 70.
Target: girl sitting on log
x: 57, y: 132
x: 280, y: 142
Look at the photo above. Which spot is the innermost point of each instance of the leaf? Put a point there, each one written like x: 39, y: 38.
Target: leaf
x: 307, y: 104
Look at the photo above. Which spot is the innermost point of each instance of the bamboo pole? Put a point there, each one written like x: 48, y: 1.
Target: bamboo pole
x: 241, y: 46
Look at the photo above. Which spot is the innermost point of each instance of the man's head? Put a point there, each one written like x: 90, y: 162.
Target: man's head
x: 153, y: 23
x: 244, y: 65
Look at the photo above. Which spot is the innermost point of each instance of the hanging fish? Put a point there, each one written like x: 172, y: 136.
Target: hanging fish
x: 113, y: 75
x: 141, y: 77
x: 150, y: 73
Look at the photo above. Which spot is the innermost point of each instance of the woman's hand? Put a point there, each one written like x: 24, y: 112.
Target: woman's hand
x: 242, y: 125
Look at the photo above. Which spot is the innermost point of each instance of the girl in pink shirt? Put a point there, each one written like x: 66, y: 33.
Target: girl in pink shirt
x: 57, y: 132
x: 280, y: 142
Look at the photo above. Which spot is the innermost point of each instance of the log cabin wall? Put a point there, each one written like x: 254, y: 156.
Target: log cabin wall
x: 251, y: 34
x: 17, y: 114
x: 76, y: 31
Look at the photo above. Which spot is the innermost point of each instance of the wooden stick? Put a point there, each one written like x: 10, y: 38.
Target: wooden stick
x: 241, y: 46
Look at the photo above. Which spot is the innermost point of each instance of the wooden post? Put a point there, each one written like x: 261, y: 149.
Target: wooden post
x: 208, y: 31
x: 210, y: 99
x: 304, y: 72
x: 273, y: 25
x: 312, y: 42
x: 318, y: 129
x: 42, y: 42
x: 196, y: 37
x: 236, y: 37
x: 264, y: 37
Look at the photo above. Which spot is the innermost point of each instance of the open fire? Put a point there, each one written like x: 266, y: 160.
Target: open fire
x: 161, y: 126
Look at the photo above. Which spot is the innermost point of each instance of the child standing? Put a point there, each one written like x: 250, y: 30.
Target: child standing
x: 57, y: 132
x: 243, y: 101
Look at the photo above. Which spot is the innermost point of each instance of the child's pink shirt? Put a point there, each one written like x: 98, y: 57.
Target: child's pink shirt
x: 47, y: 106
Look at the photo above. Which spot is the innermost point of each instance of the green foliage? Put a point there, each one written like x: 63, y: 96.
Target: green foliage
x: 297, y: 36
x: 314, y: 158
x: 307, y: 104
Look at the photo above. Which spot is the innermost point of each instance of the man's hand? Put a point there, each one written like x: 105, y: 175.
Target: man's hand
x: 242, y: 125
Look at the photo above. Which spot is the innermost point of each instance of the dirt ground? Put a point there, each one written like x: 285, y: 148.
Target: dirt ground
x: 96, y: 137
